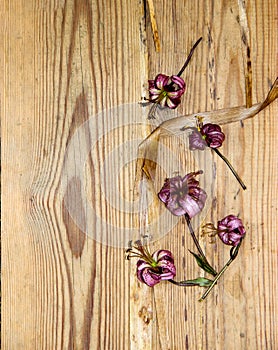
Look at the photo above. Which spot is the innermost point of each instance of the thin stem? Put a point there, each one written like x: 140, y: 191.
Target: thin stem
x: 188, y: 283
x: 187, y: 60
x: 215, y: 280
x: 189, y: 57
x: 196, y: 242
x: 174, y: 282
x: 231, y: 168
x: 183, y: 283
x: 151, y: 114
x: 233, y: 255
x: 209, y: 269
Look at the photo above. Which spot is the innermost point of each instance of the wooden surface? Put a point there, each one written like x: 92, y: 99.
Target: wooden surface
x: 64, y: 61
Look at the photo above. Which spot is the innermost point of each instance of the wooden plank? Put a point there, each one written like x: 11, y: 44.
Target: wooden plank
x: 63, y: 64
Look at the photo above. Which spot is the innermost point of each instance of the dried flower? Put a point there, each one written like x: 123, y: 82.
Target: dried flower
x: 213, y: 135
x: 231, y: 230
x: 206, y: 135
x: 166, y: 90
x: 182, y: 195
x: 210, y: 135
x: 196, y: 140
x: 152, y: 269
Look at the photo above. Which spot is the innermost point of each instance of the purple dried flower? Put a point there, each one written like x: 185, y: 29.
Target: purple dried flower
x: 166, y: 90
x: 182, y: 195
x: 213, y: 135
x: 161, y: 268
x: 152, y: 269
x: 231, y: 230
x: 206, y: 135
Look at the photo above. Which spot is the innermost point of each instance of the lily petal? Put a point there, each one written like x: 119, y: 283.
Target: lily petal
x: 179, y: 81
x: 161, y: 80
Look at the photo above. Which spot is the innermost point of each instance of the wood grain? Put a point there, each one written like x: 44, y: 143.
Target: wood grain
x: 62, y: 63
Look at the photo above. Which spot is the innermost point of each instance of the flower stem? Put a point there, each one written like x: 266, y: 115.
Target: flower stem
x: 215, y: 280
x: 231, y: 168
x: 203, y: 258
x: 183, y: 283
x: 233, y: 254
x: 196, y: 242
x: 151, y: 114
x: 189, y: 57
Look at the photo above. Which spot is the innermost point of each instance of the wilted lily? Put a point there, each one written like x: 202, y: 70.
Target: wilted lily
x: 152, y: 268
x: 210, y: 135
x: 230, y: 230
x: 213, y: 135
x: 182, y: 195
x: 166, y: 90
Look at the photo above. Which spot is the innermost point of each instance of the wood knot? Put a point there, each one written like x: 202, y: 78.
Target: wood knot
x: 146, y: 315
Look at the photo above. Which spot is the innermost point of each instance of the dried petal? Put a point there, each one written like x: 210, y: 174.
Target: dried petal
x: 178, y: 81
x: 196, y: 140
x: 213, y: 135
x: 146, y: 275
x: 161, y: 81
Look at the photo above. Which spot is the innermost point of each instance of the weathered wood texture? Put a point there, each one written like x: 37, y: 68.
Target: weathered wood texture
x: 63, y: 61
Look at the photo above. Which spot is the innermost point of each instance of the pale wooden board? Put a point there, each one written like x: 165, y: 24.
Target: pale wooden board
x: 63, y: 62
